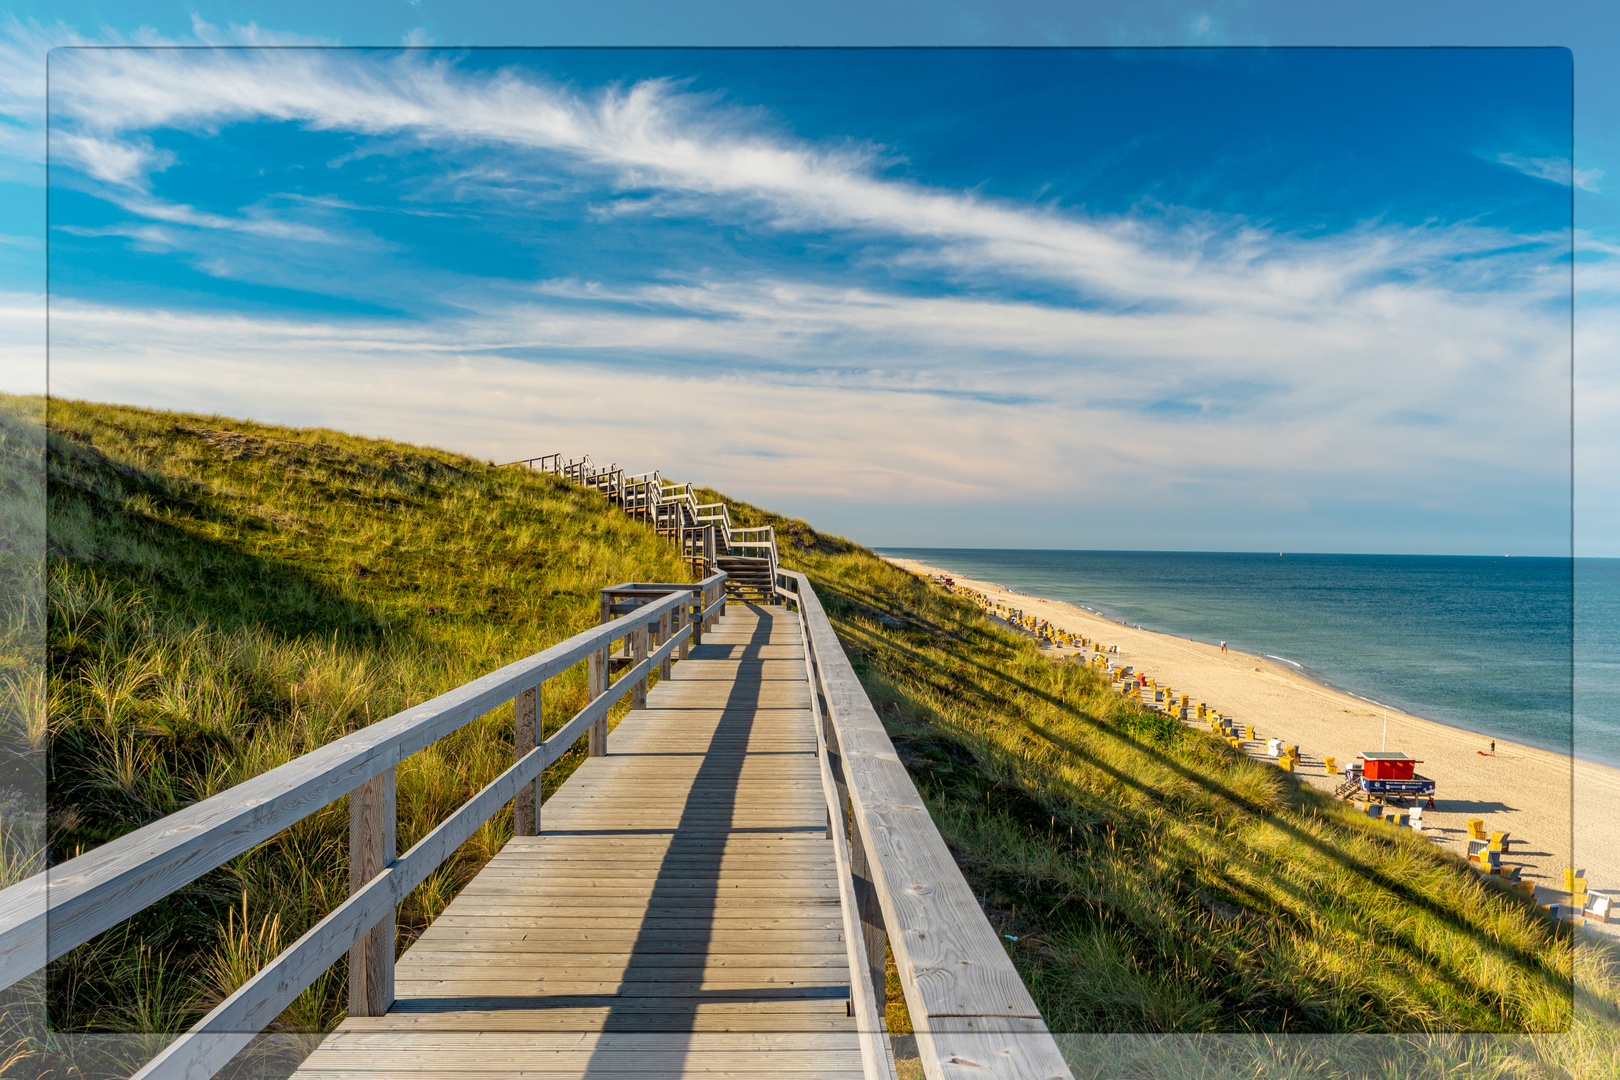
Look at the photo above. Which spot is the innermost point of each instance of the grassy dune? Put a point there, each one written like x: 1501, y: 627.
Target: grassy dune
x: 225, y: 595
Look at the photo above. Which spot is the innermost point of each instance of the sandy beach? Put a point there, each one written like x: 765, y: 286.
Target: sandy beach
x: 1533, y: 794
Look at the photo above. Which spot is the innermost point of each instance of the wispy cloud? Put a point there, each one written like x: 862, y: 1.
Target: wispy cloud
x: 686, y: 145
x: 24, y: 47
x: 1556, y: 169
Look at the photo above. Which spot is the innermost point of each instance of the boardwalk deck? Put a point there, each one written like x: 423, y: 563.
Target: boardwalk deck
x: 679, y: 913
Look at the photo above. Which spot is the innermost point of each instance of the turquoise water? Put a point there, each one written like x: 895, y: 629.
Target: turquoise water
x: 1486, y: 644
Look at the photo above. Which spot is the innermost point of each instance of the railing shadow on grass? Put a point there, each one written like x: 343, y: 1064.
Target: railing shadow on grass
x: 1398, y: 889
x: 1182, y: 853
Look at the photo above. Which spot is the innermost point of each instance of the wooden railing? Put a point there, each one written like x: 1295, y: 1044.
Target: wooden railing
x: 548, y: 463
x: 100, y: 889
x: 672, y: 509
x: 969, y: 1008
x: 758, y: 542
x: 716, y: 514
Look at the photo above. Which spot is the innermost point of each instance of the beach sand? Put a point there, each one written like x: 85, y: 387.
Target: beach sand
x: 1533, y: 794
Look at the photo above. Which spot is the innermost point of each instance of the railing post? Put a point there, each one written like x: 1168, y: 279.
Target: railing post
x: 696, y: 637
x: 665, y: 626
x: 866, y: 898
x: 598, y: 668
x: 372, y: 816
x: 525, y: 732
x: 877, y: 939
x: 639, y: 652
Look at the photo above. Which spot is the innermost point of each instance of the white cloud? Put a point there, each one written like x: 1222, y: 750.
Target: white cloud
x: 1556, y: 169
x: 22, y: 343
x: 24, y: 48
x: 126, y: 162
x: 254, y: 224
x: 919, y: 385
x: 252, y: 34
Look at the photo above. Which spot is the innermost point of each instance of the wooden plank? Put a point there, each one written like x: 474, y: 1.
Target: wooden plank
x: 558, y: 941
x: 587, y: 1066
x: 492, y: 927
x: 633, y: 980
x: 543, y: 1059
x: 513, y: 963
x: 865, y: 965
x: 22, y: 941
x: 980, y: 1048
x: 498, y: 1041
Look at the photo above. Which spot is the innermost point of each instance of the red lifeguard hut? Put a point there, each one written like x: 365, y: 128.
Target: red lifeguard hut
x: 1387, y: 765
x: 1390, y: 775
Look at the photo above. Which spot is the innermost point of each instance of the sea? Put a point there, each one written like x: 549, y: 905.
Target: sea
x: 1520, y: 649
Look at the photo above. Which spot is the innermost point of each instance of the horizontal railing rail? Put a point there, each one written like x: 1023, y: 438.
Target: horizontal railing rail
x: 969, y: 1008
x: 95, y: 891
x: 546, y: 463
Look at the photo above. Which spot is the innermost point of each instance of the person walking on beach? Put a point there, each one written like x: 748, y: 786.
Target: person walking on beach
x: 1493, y: 748
x: 1223, y: 646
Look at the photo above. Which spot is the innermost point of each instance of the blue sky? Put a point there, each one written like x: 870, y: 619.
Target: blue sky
x: 1241, y: 299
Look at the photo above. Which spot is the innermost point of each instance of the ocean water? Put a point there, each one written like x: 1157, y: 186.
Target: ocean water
x: 1521, y: 649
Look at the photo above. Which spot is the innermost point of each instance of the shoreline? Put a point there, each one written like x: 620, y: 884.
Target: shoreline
x: 1559, y: 809
x: 1301, y: 670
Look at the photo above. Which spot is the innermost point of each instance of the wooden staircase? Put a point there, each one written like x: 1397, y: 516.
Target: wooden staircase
x: 748, y: 578
x: 703, y: 532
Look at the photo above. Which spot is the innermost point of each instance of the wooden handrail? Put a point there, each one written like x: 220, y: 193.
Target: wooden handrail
x: 108, y: 884
x: 968, y: 1005
x: 876, y: 1061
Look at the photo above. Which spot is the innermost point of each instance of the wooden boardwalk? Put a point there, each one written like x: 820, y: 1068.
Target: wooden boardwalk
x: 678, y: 914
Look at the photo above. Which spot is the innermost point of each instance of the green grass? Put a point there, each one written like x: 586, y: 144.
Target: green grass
x: 22, y: 639
x: 225, y: 596
x: 22, y: 691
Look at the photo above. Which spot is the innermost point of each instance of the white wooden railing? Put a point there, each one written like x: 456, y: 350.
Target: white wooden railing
x: 969, y: 1008
x: 107, y: 885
